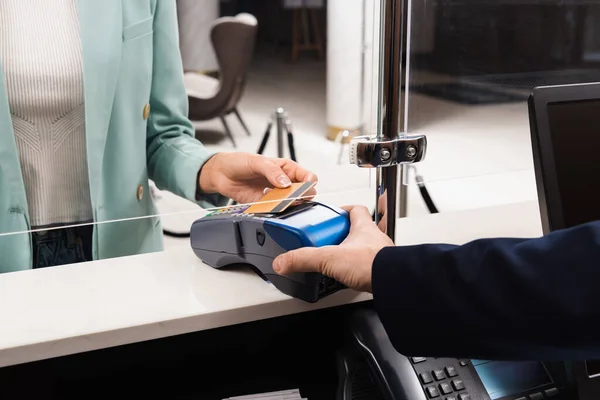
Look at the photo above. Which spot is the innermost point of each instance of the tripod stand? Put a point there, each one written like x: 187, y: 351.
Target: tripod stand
x: 283, y: 123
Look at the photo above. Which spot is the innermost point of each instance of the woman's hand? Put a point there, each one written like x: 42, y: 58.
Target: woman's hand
x: 243, y: 177
x: 350, y: 263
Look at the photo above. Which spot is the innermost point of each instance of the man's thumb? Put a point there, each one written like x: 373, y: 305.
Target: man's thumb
x: 306, y: 259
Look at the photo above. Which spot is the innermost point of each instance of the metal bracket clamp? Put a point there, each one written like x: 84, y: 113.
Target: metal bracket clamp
x: 371, y: 152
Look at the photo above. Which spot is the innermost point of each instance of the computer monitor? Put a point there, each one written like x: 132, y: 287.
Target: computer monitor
x: 565, y: 135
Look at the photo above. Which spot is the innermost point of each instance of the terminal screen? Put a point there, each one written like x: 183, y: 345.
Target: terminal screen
x: 575, y: 135
x: 502, y: 378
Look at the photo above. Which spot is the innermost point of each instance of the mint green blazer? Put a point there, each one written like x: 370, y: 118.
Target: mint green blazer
x: 136, y: 128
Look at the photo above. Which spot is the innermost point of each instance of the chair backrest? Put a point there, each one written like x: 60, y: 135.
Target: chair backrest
x: 233, y: 40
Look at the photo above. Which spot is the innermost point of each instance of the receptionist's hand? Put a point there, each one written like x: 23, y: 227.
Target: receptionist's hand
x: 349, y: 263
x: 244, y: 177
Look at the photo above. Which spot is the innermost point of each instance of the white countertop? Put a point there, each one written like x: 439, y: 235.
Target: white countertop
x: 70, y: 309
x: 521, y: 219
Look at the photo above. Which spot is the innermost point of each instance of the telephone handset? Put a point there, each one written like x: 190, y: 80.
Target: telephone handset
x: 398, y: 377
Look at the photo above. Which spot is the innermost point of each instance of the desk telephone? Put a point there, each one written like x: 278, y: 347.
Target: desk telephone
x: 370, y: 368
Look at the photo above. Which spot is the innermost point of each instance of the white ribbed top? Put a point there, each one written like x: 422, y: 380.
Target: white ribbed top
x: 40, y: 49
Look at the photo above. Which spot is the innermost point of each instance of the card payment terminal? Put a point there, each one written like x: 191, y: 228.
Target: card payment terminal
x: 231, y: 236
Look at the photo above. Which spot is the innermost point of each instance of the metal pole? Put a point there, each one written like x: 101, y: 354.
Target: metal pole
x: 363, y: 49
x: 280, y: 118
x: 406, y: 42
x: 390, y: 112
x: 403, y: 192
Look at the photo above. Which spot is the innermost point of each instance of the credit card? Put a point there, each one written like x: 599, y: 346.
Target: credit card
x: 278, y: 200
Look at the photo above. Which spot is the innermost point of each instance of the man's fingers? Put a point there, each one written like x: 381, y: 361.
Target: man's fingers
x: 382, y: 225
x: 348, y: 209
x: 306, y: 259
x: 349, y: 266
x: 357, y: 213
x: 382, y: 203
x: 360, y: 215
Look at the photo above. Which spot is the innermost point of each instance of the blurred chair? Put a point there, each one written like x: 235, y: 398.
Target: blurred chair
x: 233, y: 40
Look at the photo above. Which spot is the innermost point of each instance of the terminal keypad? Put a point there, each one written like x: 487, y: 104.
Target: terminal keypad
x: 238, y: 209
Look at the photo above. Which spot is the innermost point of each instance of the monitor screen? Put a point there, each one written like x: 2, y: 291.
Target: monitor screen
x: 575, y: 134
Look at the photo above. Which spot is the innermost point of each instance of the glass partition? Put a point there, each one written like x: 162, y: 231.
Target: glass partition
x: 469, y: 69
x: 127, y: 151
x: 472, y: 67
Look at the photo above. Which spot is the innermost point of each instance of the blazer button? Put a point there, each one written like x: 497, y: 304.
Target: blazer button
x: 140, y: 192
x: 146, y: 111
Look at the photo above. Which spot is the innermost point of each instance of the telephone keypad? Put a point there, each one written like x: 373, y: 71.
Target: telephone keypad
x: 458, y: 384
x: 426, y: 378
x: 433, y: 392
x: 449, y: 385
x: 445, y: 388
x: 438, y: 374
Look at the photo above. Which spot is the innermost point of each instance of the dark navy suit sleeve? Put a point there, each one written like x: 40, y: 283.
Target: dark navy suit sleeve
x: 494, y: 298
